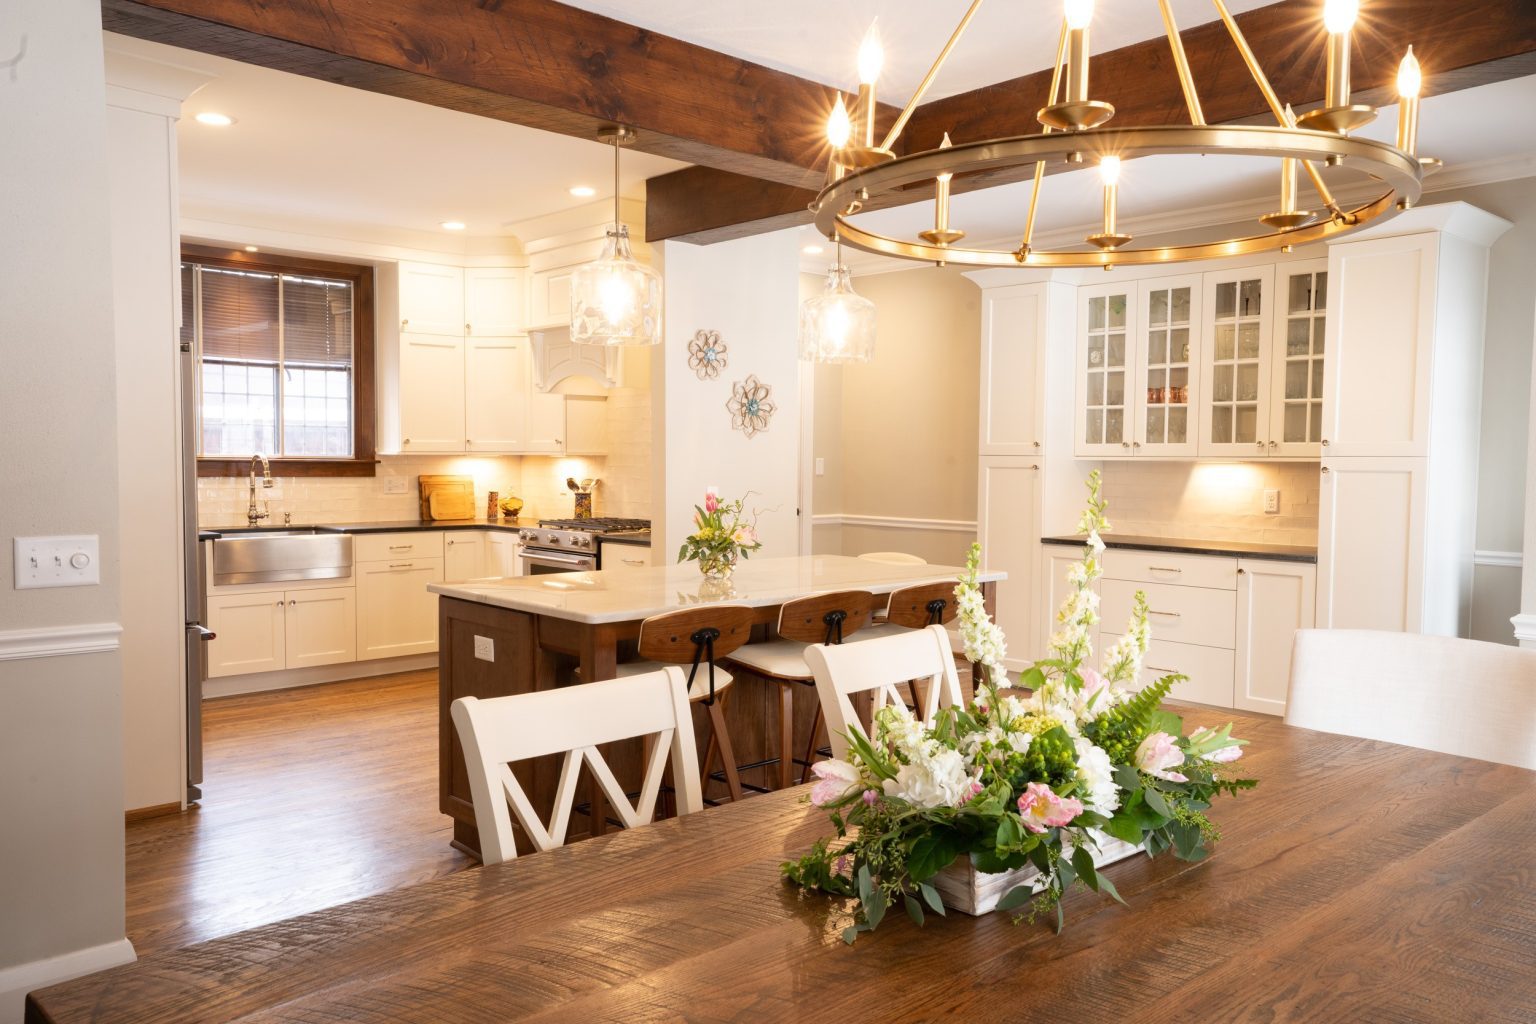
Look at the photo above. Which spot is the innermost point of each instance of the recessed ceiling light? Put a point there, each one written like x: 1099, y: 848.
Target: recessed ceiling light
x: 813, y: 250
x: 252, y: 248
x: 583, y: 191
x: 214, y: 118
x: 452, y: 225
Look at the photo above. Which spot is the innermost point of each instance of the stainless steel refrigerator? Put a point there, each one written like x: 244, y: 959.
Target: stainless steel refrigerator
x: 194, y: 599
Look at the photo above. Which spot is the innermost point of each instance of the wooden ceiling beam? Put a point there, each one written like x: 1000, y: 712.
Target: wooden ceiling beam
x: 531, y: 62
x: 1460, y: 46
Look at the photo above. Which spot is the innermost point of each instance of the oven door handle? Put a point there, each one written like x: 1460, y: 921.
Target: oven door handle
x: 539, y: 557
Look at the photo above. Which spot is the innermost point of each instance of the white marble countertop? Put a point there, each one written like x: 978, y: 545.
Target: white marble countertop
x: 626, y: 594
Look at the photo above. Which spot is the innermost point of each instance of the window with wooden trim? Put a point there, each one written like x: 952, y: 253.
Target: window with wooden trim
x: 284, y: 361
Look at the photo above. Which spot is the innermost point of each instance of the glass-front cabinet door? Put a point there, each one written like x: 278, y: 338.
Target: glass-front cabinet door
x: 1296, y: 406
x: 1235, y: 412
x: 1106, y: 325
x: 1168, y: 362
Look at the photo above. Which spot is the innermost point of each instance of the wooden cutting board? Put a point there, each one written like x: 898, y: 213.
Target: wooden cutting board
x: 457, y: 491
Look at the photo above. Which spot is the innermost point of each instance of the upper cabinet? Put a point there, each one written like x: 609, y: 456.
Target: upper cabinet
x: 493, y: 302
x: 1235, y: 415
x: 431, y: 299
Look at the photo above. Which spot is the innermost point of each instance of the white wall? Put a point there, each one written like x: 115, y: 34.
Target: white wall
x: 61, y: 844
x: 748, y: 290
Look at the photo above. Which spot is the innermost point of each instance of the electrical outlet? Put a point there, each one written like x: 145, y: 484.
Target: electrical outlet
x: 394, y: 485
x: 1271, y: 501
x: 485, y: 648
x: 821, y: 467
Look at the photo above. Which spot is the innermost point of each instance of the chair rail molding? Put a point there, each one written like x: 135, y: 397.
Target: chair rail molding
x: 896, y: 522
x: 56, y: 641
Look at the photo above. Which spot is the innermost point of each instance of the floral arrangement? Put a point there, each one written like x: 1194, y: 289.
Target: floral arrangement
x: 722, y: 533
x: 1020, y: 779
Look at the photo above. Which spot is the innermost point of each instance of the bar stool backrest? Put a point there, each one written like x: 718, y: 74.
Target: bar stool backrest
x: 826, y: 618
x: 927, y: 604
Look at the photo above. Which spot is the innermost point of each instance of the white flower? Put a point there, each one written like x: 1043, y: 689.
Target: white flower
x: 1098, y: 777
x: 936, y: 781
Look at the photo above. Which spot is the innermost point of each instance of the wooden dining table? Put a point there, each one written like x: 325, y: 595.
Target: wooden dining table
x: 1360, y: 882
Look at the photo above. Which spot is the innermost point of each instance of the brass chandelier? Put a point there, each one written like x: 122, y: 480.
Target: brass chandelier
x: 1076, y: 128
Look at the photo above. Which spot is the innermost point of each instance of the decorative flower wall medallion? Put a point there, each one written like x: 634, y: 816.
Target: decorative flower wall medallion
x: 751, y: 405
x: 706, y: 354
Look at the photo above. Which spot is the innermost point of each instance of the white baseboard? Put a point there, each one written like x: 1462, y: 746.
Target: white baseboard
x: 17, y: 981
x: 897, y: 523
x: 261, y: 682
x: 55, y: 641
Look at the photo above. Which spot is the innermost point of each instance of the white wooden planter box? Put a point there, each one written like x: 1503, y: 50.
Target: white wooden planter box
x: 975, y: 892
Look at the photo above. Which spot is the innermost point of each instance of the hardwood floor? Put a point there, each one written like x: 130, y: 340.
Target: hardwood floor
x: 311, y: 798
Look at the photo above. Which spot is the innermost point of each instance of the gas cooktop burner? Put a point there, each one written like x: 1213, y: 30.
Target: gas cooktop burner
x: 606, y: 525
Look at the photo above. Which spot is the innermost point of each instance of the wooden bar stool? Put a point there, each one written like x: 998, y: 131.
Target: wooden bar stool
x: 822, y: 619
x: 696, y: 637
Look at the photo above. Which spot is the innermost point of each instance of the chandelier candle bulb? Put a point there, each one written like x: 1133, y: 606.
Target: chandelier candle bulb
x: 1410, y: 80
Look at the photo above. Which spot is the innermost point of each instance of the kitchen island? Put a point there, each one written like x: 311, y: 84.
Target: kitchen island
x: 519, y: 635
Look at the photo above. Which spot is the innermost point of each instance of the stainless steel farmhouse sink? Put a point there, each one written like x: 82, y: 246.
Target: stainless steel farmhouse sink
x: 273, y: 556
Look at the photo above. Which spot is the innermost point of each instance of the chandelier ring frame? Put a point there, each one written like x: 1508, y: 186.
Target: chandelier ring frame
x: 1400, y: 172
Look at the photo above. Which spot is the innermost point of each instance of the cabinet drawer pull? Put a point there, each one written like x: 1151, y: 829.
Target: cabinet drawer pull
x: 1171, y: 615
x: 1165, y: 568
x: 402, y: 565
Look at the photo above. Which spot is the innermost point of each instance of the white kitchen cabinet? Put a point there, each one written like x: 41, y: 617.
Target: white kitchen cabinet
x: 1106, y: 371
x: 320, y: 627
x: 549, y: 297
x: 1165, y: 402
x: 1009, y: 532
x: 267, y: 631
x: 1371, y: 543
x: 1234, y: 413
x: 1298, y: 360
x: 250, y: 633
x: 501, y: 554
x: 1013, y: 340
x: 463, y: 555
x: 396, y: 614
x: 493, y: 302
x: 431, y: 393
x: 431, y: 299
x: 497, y: 385
x: 1274, y: 600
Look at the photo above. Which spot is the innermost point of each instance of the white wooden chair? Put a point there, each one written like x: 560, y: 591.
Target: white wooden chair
x: 877, y: 667
x: 1462, y: 697
x: 574, y: 721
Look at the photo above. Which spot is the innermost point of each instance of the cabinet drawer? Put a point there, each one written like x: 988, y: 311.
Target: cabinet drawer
x: 381, y: 547
x: 1210, y: 670
x: 1168, y: 567
x: 1190, y: 615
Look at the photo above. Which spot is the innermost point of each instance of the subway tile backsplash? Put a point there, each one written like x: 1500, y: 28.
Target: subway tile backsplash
x: 1213, y: 500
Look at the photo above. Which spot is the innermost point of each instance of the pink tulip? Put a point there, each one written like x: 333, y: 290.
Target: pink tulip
x: 1041, y: 808
x: 1158, y: 755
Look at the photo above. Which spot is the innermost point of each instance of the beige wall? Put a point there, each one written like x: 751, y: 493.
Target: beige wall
x: 899, y: 433
x: 61, y: 747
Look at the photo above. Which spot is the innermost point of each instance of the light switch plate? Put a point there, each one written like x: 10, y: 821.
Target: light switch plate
x: 485, y: 648
x: 57, y: 562
x: 1271, y: 501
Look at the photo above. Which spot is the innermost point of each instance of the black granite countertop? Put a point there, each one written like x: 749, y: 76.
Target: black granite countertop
x: 1231, y: 548
x: 393, y: 526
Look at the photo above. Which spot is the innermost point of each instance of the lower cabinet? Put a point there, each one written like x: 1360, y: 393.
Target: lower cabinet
x: 269, y: 631
x: 396, y: 614
x: 1274, y: 600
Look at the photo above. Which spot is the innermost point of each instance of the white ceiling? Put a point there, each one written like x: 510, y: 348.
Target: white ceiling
x: 311, y: 149
x: 819, y: 40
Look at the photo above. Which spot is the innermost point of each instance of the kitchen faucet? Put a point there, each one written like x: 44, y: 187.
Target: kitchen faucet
x: 252, y: 517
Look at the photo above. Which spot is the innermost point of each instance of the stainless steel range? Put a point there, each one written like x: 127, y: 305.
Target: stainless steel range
x: 571, y: 545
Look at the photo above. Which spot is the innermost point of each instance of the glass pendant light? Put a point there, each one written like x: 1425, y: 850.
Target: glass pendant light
x: 616, y: 300
x: 837, y: 326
